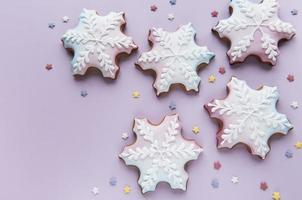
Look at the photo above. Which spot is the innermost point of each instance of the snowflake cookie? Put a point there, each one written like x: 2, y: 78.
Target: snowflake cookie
x: 254, y: 29
x: 160, y: 153
x: 96, y: 42
x: 248, y: 116
x: 174, y: 57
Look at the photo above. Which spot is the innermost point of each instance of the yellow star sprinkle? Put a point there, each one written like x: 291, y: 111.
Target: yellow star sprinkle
x: 298, y: 145
x: 212, y: 79
x: 276, y: 196
x: 195, y: 130
x: 136, y: 94
x: 127, y: 189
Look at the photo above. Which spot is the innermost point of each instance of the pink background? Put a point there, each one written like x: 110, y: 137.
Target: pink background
x: 57, y: 145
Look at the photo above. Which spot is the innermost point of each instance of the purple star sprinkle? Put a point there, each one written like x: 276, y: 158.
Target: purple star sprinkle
x: 294, y: 12
x: 215, y: 183
x: 84, y: 93
x: 289, y: 154
x: 172, y: 106
x: 51, y: 25
x: 172, y: 2
x: 112, y: 181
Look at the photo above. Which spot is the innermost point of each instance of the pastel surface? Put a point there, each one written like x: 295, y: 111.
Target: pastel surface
x: 57, y: 145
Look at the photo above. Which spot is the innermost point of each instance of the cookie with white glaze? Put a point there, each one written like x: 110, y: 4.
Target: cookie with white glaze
x: 160, y: 153
x: 96, y: 42
x: 248, y: 116
x: 174, y: 58
x: 254, y: 29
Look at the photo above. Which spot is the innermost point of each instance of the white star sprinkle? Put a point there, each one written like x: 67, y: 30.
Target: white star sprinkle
x: 294, y: 105
x: 65, y: 19
x: 235, y: 179
x: 125, y: 136
x: 171, y: 17
x: 95, y: 191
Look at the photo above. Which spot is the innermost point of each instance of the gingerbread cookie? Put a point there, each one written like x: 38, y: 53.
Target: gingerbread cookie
x: 254, y: 29
x: 160, y: 153
x: 248, y: 116
x: 174, y: 57
x: 96, y: 41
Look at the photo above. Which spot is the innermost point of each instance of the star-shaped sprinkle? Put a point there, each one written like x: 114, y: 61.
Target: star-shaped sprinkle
x: 95, y: 191
x: 235, y: 179
x: 250, y: 117
x: 172, y: 2
x: 263, y: 186
x: 113, y: 181
x: 153, y: 8
x: 214, y: 13
x: 294, y: 105
x: 172, y: 105
x: 276, y: 196
x: 289, y: 154
x: 171, y: 17
x: 294, y: 12
x: 174, y: 57
x: 298, y: 145
x: 48, y: 66
x: 160, y: 153
x: 136, y: 94
x: 195, y: 130
x: 125, y: 136
x: 65, y: 19
x: 221, y: 70
x: 215, y: 183
x: 254, y: 29
x: 212, y: 79
x: 51, y: 25
x: 290, y: 78
x: 217, y: 165
x: 127, y: 189
x: 96, y: 41
x: 84, y: 93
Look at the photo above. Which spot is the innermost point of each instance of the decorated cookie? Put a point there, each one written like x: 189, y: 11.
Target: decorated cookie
x: 254, y: 29
x: 248, y: 116
x: 96, y: 42
x: 174, y: 57
x: 160, y: 153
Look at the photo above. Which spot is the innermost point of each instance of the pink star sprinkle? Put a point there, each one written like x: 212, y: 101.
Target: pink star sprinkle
x: 153, y: 8
x: 214, y: 13
x: 263, y: 186
x: 217, y: 165
x: 290, y: 78
x: 48, y: 66
x: 221, y: 70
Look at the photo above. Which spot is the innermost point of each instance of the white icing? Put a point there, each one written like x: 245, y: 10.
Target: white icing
x: 175, y: 57
x: 160, y: 153
x: 96, y: 41
x: 247, y: 19
x: 250, y: 116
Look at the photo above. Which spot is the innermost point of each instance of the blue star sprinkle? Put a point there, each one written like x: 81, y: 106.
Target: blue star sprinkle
x: 112, y: 181
x: 84, y: 93
x: 172, y: 105
x: 289, y: 154
x: 172, y: 2
x: 215, y: 183
x: 51, y: 25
